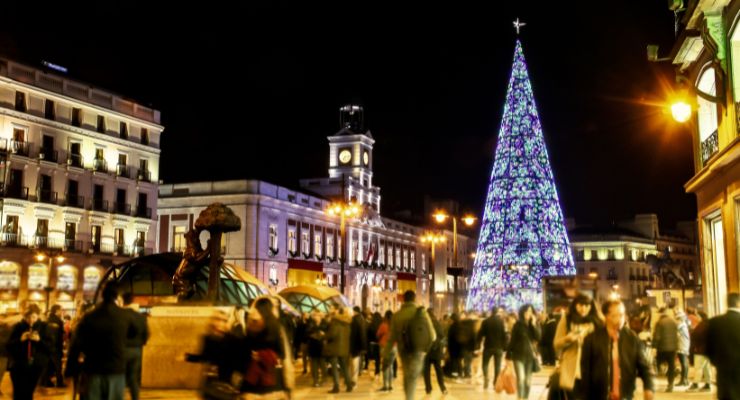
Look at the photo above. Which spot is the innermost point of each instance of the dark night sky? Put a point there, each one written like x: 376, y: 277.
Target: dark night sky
x: 432, y: 79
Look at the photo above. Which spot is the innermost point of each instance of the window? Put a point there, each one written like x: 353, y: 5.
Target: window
x: 95, y: 238
x: 413, y: 259
x: 291, y: 241
x: 144, y: 136
x: 49, y: 112
x: 397, y: 262
x: 77, y: 117
x: 305, y: 249
x: 20, y: 101
x: 70, y: 234
x: 42, y: 232
x: 38, y: 276
x: 715, y: 268
x: 91, y: 277
x: 178, y: 238
x: 122, y: 159
x: 123, y: 130
x: 404, y: 259
x: 273, y: 237
x: 330, y: 246
x: 317, y: 244
x: 707, y: 115
x: 141, y: 241
x: 381, y: 254
x: 355, y: 252
x: 273, y: 273
x: 101, y: 124
x: 144, y: 170
x: 66, y: 278
x: 423, y: 263
x: 10, y: 276
x: 118, y: 240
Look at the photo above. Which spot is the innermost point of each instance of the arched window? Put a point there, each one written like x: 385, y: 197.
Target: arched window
x: 10, y: 276
x: 707, y: 114
x: 91, y: 278
x: 38, y: 276
x: 67, y: 278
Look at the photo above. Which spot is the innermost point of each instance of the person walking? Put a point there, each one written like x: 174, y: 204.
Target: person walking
x: 434, y: 358
x: 612, y: 359
x: 336, y: 347
x: 411, y: 358
x: 492, y: 335
x: 723, y: 348
x: 684, y: 344
x: 101, y: 337
x: 55, y: 330
x: 135, y: 341
x: 581, y: 319
x: 665, y: 341
x: 28, y: 350
x: 384, y: 334
x: 702, y: 369
x: 315, y: 329
x: 521, y: 349
x: 357, y: 343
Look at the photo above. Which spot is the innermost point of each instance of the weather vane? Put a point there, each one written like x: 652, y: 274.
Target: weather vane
x: 518, y: 25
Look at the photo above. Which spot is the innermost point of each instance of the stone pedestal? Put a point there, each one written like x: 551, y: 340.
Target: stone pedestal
x: 174, y: 331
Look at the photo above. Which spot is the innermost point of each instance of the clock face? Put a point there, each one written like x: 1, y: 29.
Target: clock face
x: 365, y: 158
x: 345, y: 156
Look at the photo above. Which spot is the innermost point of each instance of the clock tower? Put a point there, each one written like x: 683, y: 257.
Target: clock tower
x: 350, y: 161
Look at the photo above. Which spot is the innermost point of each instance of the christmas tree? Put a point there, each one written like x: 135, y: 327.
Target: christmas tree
x: 522, y: 237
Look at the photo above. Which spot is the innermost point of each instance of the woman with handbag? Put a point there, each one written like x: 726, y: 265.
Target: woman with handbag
x: 581, y: 319
x: 521, y: 349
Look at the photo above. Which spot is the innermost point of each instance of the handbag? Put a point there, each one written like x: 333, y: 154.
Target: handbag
x: 536, y: 363
x: 506, y: 381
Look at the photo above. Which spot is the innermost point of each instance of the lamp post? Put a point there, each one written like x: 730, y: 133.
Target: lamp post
x: 344, y: 211
x: 440, y: 217
x: 60, y: 259
x: 432, y: 238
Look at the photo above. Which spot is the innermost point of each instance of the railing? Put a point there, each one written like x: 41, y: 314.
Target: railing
x: 100, y: 165
x: 121, y: 208
x: 99, y: 205
x: 74, y: 201
x: 15, y: 192
x: 75, y: 160
x: 13, y: 239
x: 143, y: 212
x: 72, y: 245
x: 41, y: 242
x: 123, y: 170
x: 48, y: 155
x: 20, y: 148
x: 93, y: 247
x: 144, y: 176
x: 709, y: 147
x: 47, y: 196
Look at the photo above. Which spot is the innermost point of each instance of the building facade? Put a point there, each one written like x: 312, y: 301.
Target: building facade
x: 288, y: 238
x: 707, y: 59
x: 79, y: 168
x: 616, y: 257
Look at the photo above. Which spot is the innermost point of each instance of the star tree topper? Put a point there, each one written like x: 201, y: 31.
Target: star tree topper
x: 518, y: 25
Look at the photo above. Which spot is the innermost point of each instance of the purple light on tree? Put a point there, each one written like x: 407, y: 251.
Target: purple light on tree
x: 522, y: 236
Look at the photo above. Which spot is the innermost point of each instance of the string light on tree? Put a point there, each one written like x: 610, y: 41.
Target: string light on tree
x: 522, y: 237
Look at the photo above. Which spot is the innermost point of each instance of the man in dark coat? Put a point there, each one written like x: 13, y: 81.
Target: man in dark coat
x: 493, y: 335
x: 665, y: 341
x: 723, y: 348
x: 434, y: 358
x: 100, y: 339
x: 357, y: 342
x: 55, y: 330
x: 603, y: 364
x: 135, y: 341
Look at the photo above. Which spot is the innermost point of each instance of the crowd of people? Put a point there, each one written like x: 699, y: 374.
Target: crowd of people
x: 598, y: 351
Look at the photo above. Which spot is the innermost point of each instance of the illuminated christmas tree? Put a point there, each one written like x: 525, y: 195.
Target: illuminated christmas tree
x: 522, y: 237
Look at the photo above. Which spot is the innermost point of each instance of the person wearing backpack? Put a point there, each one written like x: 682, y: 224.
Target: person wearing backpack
x: 413, y: 333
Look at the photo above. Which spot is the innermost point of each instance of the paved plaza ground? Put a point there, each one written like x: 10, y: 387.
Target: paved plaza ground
x: 368, y: 389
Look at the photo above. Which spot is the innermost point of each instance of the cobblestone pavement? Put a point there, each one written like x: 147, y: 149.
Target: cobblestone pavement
x: 368, y: 389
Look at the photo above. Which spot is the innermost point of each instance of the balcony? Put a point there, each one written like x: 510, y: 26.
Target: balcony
x: 40, y: 241
x: 20, y: 148
x: 121, y: 208
x: 74, y: 201
x: 72, y: 245
x: 16, y: 192
x: 99, y: 205
x: 144, y: 175
x: 100, y: 165
x: 143, y: 212
x: 75, y: 160
x: 13, y: 239
x: 47, y: 196
x: 123, y: 171
x: 709, y: 147
x: 49, y: 155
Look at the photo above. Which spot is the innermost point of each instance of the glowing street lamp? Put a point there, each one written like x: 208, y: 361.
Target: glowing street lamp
x: 440, y: 217
x: 681, y: 111
x: 344, y: 211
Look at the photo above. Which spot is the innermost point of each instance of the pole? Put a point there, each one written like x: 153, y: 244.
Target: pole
x: 432, y: 282
x: 454, y: 262
x: 343, y: 235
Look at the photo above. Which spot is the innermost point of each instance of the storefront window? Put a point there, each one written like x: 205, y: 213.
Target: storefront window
x: 66, y: 278
x: 92, y: 277
x: 9, y: 275
x: 38, y: 276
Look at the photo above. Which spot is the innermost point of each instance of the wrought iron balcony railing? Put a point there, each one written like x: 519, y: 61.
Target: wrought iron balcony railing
x: 100, y: 165
x: 709, y: 147
x: 49, y: 155
x: 75, y: 160
x: 144, y: 175
x: 99, y: 205
x: 20, y: 148
x: 16, y: 192
x: 47, y: 196
x: 143, y: 212
x: 123, y: 170
x: 74, y: 201
x: 121, y: 208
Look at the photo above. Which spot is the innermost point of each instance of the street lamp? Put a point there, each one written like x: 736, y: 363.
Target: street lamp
x: 440, y: 217
x: 432, y: 238
x: 344, y: 211
x: 51, y: 257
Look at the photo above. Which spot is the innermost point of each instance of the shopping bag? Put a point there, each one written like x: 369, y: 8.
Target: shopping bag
x: 506, y: 380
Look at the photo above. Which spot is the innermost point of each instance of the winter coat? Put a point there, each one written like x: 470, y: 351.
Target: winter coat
x: 18, y: 351
x: 315, y: 338
x: 398, y: 323
x: 521, y: 346
x: 665, y: 337
x: 358, y: 335
x: 699, y: 338
x: 437, y: 350
x: 383, y: 333
x: 492, y: 333
x: 570, y: 357
x: 336, y: 341
x: 684, y: 338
